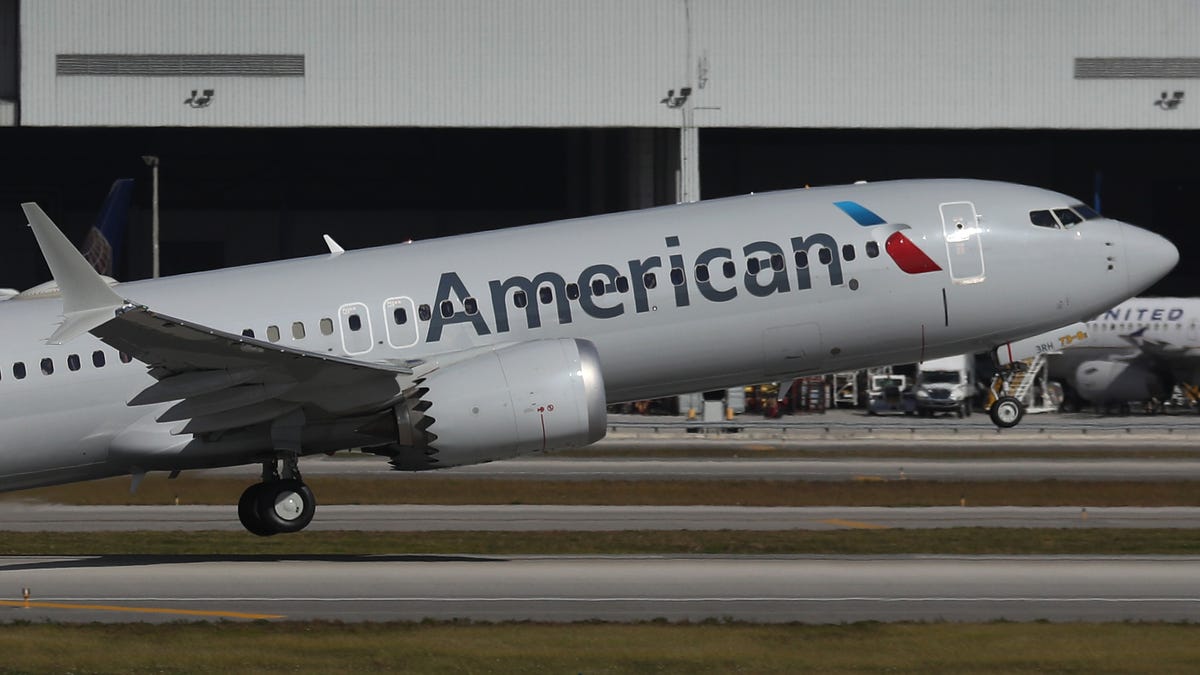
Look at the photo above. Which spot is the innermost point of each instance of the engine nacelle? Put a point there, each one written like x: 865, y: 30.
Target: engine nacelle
x: 528, y: 397
x: 1118, y: 382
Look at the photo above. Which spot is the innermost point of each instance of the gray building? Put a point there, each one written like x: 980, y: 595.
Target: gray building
x: 377, y: 121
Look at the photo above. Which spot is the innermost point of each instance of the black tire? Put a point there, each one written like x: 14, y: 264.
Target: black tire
x: 1006, y: 412
x: 248, y: 512
x: 967, y: 407
x: 286, y: 505
x: 962, y: 410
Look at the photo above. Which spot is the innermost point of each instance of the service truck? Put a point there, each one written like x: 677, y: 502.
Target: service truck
x: 945, y: 385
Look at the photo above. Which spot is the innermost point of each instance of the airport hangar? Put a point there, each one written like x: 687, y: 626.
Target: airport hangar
x: 278, y: 120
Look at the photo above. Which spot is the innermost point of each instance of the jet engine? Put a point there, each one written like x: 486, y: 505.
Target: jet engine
x: 527, y: 397
x: 1104, y: 382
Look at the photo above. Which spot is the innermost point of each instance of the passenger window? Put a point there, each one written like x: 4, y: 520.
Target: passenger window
x: 824, y: 256
x: 573, y: 291
x: 848, y: 252
x: 729, y: 269
x: 354, y: 321
x: 326, y: 326
x: 424, y: 313
x: 1068, y: 217
x: 447, y: 309
x: 520, y: 300
x: 19, y: 370
x: 47, y: 366
x: 622, y: 285
x: 248, y: 332
x: 73, y: 362
x: 125, y: 358
x: 649, y: 280
x: 98, y: 359
x: 702, y: 273
x: 872, y: 249
x: 546, y: 295
x: 777, y: 262
x: 597, y: 287
x: 1043, y: 219
x: 802, y: 259
x: 273, y: 331
x: 677, y: 276
x: 471, y: 306
x: 753, y: 266
x: 400, y: 316
x: 298, y: 330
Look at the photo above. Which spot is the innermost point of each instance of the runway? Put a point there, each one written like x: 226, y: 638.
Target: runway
x: 30, y: 517
x: 757, y: 468
x: 618, y: 588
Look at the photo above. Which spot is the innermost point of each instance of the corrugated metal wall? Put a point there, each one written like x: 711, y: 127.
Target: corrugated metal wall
x: 493, y: 63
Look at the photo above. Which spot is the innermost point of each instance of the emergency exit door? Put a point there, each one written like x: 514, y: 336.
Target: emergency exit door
x: 964, y: 248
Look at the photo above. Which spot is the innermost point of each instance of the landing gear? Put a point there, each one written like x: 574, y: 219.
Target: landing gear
x: 277, y: 505
x: 1007, y: 412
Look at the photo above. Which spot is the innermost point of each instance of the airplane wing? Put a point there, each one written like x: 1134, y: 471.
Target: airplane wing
x: 222, y: 381
x: 225, y: 381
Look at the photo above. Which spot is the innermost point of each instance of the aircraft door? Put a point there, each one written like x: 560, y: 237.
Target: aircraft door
x: 355, y: 324
x: 964, y: 250
x: 400, y: 317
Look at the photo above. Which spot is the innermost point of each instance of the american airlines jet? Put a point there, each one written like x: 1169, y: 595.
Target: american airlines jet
x: 485, y: 346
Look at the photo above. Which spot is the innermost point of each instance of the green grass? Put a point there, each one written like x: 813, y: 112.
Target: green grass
x: 439, y: 490
x: 654, y: 647
x: 951, y: 541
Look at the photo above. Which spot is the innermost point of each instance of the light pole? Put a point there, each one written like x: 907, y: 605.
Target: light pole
x: 152, y: 162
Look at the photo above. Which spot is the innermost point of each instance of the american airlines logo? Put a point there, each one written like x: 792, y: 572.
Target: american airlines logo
x: 602, y: 290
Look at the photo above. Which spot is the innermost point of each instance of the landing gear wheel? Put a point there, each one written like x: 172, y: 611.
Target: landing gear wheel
x: 962, y: 410
x: 1006, y: 412
x: 967, y: 407
x: 286, y: 505
x: 248, y: 511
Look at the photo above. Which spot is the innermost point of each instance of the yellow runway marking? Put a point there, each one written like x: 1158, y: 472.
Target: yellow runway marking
x: 854, y: 524
x: 140, y: 610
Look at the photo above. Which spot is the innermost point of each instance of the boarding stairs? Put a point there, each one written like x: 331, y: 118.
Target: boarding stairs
x: 1027, y: 381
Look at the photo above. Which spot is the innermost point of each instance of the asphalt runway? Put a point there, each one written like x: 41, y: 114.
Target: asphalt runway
x: 617, y: 588
x: 831, y: 469
x: 34, y: 517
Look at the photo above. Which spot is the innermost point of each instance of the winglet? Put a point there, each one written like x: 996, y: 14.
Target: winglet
x: 334, y: 248
x: 87, y: 300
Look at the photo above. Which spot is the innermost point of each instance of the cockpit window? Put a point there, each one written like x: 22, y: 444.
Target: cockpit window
x: 1043, y: 219
x: 1068, y: 217
x: 1087, y: 212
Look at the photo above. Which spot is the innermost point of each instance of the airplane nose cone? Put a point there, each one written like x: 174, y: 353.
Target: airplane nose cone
x: 1148, y: 257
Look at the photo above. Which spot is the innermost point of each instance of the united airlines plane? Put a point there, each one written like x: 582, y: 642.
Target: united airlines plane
x: 480, y: 347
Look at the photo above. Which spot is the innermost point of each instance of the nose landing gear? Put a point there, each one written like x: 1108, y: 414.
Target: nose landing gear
x: 277, y: 504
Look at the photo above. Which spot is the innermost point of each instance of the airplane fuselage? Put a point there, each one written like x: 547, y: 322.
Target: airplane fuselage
x: 685, y: 298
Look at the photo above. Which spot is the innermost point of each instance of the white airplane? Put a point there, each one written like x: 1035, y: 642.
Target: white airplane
x: 481, y: 347
x: 1136, y: 351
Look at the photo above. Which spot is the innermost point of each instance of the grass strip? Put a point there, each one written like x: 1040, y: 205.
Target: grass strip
x: 949, y: 541
x: 652, y: 647
x: 416, y: 489
x: 1045, y: 450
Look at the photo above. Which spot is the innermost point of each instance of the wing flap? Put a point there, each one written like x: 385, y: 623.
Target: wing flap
x: 222, y: 401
